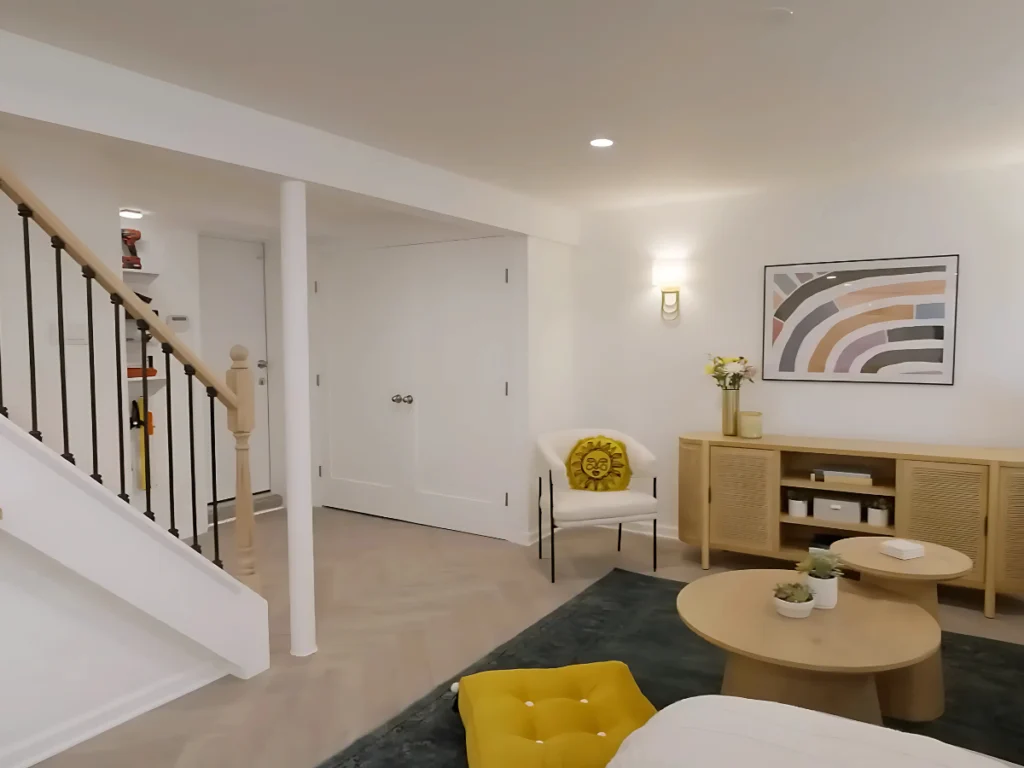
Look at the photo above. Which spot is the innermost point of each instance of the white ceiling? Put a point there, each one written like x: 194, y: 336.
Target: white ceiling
x: 701, y: 96
x: 221, y: 199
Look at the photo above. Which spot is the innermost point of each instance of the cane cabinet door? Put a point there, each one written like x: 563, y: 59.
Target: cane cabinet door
x: 744, y: 499
x: 945, y: 503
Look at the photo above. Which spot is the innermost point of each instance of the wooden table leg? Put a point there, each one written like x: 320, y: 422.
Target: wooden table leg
x: 916, y: 693
x: 851, y: 696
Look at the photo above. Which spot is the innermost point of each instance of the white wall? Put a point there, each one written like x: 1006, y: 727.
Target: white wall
x: 551, y: 339
x: 642, y: 375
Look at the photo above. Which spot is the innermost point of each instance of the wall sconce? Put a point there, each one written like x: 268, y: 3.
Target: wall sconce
x: 667, y: 277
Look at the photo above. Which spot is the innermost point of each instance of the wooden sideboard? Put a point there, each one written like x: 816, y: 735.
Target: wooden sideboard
x: 731, y: 498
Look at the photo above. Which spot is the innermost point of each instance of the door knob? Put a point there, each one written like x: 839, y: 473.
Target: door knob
x: 407, y: 399
x: 396, y: 399
x: 261, y: 363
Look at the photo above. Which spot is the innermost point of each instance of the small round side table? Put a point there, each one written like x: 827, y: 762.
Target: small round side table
x: 914, y: 693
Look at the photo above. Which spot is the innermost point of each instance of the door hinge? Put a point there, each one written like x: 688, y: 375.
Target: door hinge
x: 506, y: 274
x: 986, y: 526
x: 320, y: 471
x: 506, y: 389
x: 506, y: 498
x: 709, y: 494
x: 318, y: 379
x: 316, y: 286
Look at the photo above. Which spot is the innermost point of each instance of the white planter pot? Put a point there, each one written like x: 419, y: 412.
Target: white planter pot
x: 878, y: 517
x: 825, y: 591
x: 794, y: 610
x: 797, y: 508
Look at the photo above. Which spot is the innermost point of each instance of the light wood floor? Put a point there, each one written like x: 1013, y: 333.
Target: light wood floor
x: 401, y: 608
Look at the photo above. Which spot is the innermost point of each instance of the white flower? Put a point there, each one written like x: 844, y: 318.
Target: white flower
x: 735, y: 368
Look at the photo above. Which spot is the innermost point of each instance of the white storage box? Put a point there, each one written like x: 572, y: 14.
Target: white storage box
x: 836, y: 510
x: 902, y: 549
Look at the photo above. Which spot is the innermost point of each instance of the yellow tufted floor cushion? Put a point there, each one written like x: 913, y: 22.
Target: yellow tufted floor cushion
x: 570, y: 717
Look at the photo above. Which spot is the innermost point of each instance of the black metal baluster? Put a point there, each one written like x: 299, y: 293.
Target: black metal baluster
x: 212, y: 392
x: 117, y: 302
x: 167, y: 349
x: 88, y: 274
x: 143, y: 327
x: 58, y: 248
x: 190, y: 372
x: 26, y: 213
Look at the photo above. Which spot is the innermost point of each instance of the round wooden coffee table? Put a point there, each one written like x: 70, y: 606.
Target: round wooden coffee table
x: 826, y: 662
x: 914, y: 693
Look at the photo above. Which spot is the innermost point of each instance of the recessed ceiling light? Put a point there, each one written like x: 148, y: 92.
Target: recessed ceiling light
x: 130, y: 213
x: 601, y: 143
x: 780, y: 13
x: 830, y: 277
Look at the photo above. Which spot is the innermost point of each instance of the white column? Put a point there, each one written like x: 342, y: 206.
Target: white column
x: 298, y: 461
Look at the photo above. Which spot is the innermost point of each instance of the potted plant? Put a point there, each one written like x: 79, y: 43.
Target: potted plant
x: 797, y: 506
x: 794, y: 601
x: 878, y: 512
x: 729, y: 373
x: 823, y: 574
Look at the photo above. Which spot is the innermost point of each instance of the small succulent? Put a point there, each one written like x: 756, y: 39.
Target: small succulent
x: 821, y: 566
x: 882, y: 503
x: 793, y: 593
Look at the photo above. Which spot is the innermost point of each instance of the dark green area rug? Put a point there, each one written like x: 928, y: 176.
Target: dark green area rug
x: 632, y: 618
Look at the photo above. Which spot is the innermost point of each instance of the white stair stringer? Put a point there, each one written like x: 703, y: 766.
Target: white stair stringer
x: 103, y: 615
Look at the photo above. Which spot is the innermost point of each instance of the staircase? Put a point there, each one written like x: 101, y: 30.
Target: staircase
x: 109, y: 609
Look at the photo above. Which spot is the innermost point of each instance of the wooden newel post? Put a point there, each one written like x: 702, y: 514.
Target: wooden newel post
x: 241, y: 421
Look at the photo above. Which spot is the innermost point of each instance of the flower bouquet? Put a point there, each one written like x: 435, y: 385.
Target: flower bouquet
x: 729, y: 373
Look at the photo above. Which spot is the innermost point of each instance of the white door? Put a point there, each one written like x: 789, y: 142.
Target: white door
x: 430, y: 324
x: 232, y: 306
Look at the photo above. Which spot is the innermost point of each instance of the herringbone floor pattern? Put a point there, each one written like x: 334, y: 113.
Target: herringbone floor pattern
x: 400, y: 608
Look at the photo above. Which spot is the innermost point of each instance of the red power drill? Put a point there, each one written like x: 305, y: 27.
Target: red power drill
x: 129, y: 255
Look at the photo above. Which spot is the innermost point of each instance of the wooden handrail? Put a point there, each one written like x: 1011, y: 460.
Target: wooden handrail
x: 48, y: 221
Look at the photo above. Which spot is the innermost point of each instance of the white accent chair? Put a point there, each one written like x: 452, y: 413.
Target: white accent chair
x: 568, y: 508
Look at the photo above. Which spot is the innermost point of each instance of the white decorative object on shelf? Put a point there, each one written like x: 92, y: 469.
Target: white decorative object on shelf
x: 836, y: 510
x: 878, y: 517
x: 902, y: 549
x: 797, y: 508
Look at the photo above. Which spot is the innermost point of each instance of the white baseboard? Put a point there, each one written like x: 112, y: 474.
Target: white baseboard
x: 65, y: 735
x: 642, y: 527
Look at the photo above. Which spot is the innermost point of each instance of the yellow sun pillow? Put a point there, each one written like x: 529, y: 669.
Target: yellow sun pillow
x: 598, y: 464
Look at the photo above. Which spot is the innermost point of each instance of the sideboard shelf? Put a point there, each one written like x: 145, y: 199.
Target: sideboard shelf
x: 732, y: 497
x: 812, y: 522
x: 834, y: 487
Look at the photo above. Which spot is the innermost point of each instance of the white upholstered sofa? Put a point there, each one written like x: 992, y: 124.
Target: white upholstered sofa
x: 730, y: 732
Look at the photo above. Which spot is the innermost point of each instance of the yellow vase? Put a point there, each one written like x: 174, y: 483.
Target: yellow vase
x: 730, y: 407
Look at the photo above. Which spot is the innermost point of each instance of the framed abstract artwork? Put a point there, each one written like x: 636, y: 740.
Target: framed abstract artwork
x: 886, y: 320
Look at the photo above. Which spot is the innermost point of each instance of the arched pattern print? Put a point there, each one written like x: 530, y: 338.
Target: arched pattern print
x: 889, y: 320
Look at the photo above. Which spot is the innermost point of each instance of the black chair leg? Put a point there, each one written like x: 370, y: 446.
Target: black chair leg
x: 620, y: 537
x: 551, y: 512
x: 654, y: 544
x: 540, y: 523
x: 654, y: 535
